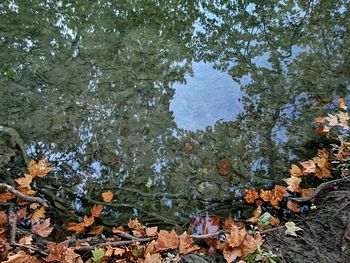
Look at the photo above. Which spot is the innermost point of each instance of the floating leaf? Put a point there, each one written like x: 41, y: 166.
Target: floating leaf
x: 107, y: 196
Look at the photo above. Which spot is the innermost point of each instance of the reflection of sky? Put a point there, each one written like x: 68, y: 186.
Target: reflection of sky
x: 208, y: 96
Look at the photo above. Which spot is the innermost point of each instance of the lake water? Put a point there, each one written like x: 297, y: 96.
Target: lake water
x: 149, y: 99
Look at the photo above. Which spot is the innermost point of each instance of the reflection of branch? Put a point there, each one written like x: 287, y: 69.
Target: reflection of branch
x: 15, y: 136
x: 22, y: 196
x: 319, y: 189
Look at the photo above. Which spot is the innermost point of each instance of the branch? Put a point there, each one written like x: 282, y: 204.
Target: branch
x: 22, y: 196
x: 320, y: 188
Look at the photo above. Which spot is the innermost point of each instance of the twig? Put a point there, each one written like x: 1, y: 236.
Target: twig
x: 22, y: 196
x: 31, y: 248
x: 114, y: 244
x: 12, y: 223
x: 319, y: 189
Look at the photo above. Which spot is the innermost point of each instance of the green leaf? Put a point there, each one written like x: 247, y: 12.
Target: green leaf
x: 97, y: 254
x: 137, y: 252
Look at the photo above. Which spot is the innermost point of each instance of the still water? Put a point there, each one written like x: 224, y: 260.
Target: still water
x: 146, y: 98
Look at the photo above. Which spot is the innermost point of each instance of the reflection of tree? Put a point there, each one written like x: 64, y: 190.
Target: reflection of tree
x: 90, y: 84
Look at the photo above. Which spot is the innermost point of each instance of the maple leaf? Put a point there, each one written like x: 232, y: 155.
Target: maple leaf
x: 97, y: 230
x: 224, y: 166
x: 56, y: 251
x: 279, y: 192
x: 39, y: 169
x: 291, y: 229
x: 230, y: 254
x: 119, y: 251
x: 293, y: 183
x: 229, y: 223
x: 107, y: 196
x: 96, y: 210
x: 250, y: 244
x: 167, y: 240
x: 292, y: 206
x: 43, y: 229
x: 236, y: 236
x: 250, y: 195
x: 38, y: 213
x: 97, y: 254
x: 24, y: 182
x: 186, y: 244
x: 295, y: 171
x: 151, y: 231
x: 135, y: 224
x: 309, y: 167
x: 323, y: 153
x: 119, y: 229
x: 78, y: 228
x: 267, y: 196
x: 88, y: 221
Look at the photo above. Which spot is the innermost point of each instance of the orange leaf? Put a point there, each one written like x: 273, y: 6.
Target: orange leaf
x: 224, y: 166
x: 76, y: 227
x: 167, y: 240
x: 229, y: 223
x: 250, y: 244
x: 119, y: 251
x: 309, y: 167
x: 186, y: 244
x: 188, y: 146
x: 236, y: 237
x: 88, y: 221
x: 250, y: 195
x: 97, y: 230
x: 38, y: 213
x: 56, y: 251
x: 279, y: 192
x: 323, y: 173
x: 4, y: 197
x: 323, y: 153
x: 307, y: 191
x: 292, y: 206
x: 256, y: 214
x: 275, y: 221
x: 26, y: 240
x: 43, y: 229
x: 39, y: 169
x: 22, y: 257
x: 107, y: 196
x: 295, y: 171
x: 319, y: 119
x: 96, y: 210
x: 230, y: 254
x: 119, y: 229
x: 266, y: 195
x: 293, y: 183
x: 151, y: 231
x: 24, y: 182
x: 153, y: 258
x: 135, y: 224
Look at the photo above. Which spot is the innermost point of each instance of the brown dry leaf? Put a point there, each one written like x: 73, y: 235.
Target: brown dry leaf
x: 43, y: 229
x: 295, y: 171
x: 39, y: 169
x: 97, y: 230
x: 96, y: 210
x: 320, y: 162
x: 38, y: 213
x: 224, y: 166
x: 26, y: 240
x: 229, y: 223
x: 107, y: 196
x: 153, y: 258
x: 135, y: 224
x: 275, y: 221
x: 309, y: 167
x: 186, y: 244
x: 279, y: 192
x: 319, y: 119
x: 150, y: 248
x: 167, y: 240
x: 3, y: 218
x: 119, y: 229
x: 292, y: 206
x: 151, y: 231
x: 119, y: 251
x: 24, y: 182
x: 4, y: 197
x: 22, y: 257
x: 69, y: 256
x: 88, y: 221
x: 256, y: 214
x: 56, y: 251
x: 250, y: 195
x: 231, y: 254
x: 78, y: 228
x: 323, y: 153
x: 22, y: 213
x: 293, y: 183
x: 323, y: 173
x: 250, y: 244
x: 188, y: 146
x: 236, y: 237
x: 266, y: 195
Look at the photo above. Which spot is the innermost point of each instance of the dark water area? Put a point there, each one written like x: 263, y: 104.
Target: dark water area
x: 146, y: 98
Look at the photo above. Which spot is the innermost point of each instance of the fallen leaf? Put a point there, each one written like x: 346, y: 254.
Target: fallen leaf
x: 69, y: 256
x: 119, y: 251
x: 295, y: 171
x: 229, y: 223
x: 38, y: 213
x: 293, y: 183
x: 97, y: 230
x: 78, y: 228
x: 151, y: 231
x: 309, y: 167
x: 291, y: 229
x: 167, y: 240
x: 3, y: 218
x: 39, y: 169
x: 236, y: 237
x: 96, y: 210
x: 307, y: 191
x: 107, y: 196
x: 88, y: 221
x: 56, y: 251
x: 279, y: 192
x: 342, y: 103
x: 250, y: 244
x: 256, y: 214
x: 43, y: 229
x: 319, y: 119
x: 97, y: 254
x: 135, y: 224
x: 26, y: 240
x: 250, y: 195
x: 267, y: 196
x: 119, y: 229
x: 22, y: 257
x: 224, y: 166
x: 292, y: 206
x: 188, y: 146
x: 24, y: 182
x: 231, y: 254
x: 323, y: 173
x: 153, y: 258
x: 186, y: 244
x: 4, y: 197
